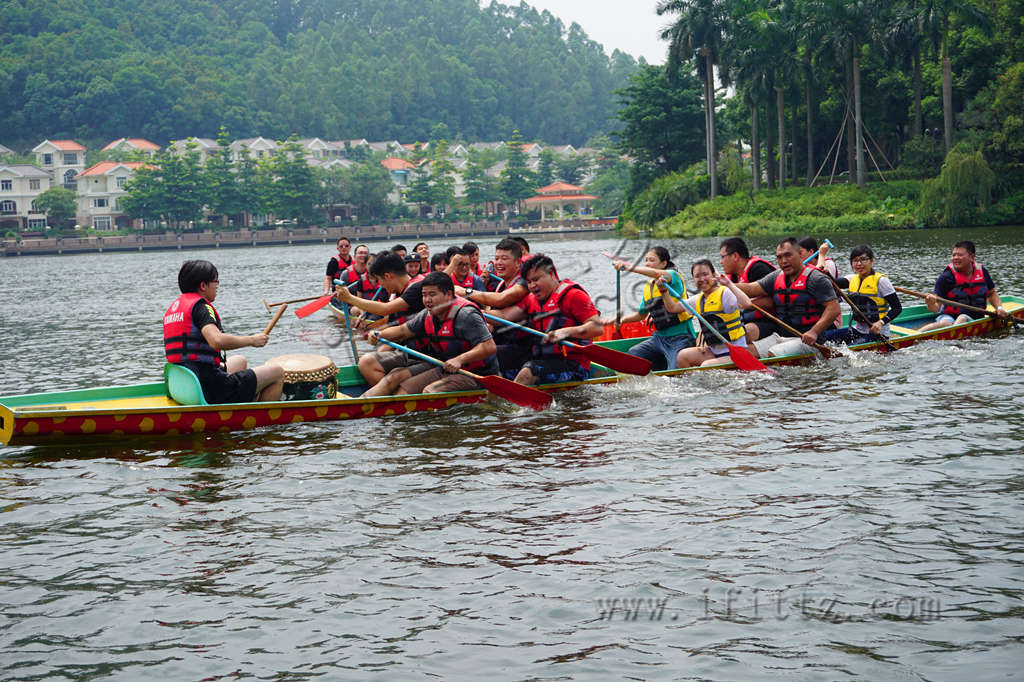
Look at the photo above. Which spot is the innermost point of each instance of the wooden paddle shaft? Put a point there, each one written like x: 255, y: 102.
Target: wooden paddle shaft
x: 962, y: 306
x: 294, y: 300
x: 277, y: 316
x: 792, y: 330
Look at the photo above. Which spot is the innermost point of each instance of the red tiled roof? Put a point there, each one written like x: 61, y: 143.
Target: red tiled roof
x: 67, y: 145
x: 104, y: 167
x: 136, y: 142
x: 394, y: 163
x: 559, y: 187
x: 560, y: 197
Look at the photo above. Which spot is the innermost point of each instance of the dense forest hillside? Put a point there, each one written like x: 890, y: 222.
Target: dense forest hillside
x: 337, y: 69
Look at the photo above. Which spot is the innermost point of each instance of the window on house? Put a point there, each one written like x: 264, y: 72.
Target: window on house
x: 117, y: 204
x: 101, y: 222
x: 8, y: 207
x: 99, y: 203
x: 70, y: 159
x: 47, y: 159
x: 33, y: 183
x: 69, y: 180
x: 121, y: 179
x: 6, y: 185
x: 37, y: 223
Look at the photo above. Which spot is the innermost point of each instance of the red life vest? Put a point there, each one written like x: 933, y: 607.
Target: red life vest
x: 442, y: 341
x: 351, y: 276
x: 794, y: 304
x: 751, y: 262
x: 745, y: 277
x: 549, y: 316
x: 342, y: 264
x: 970, y: 290
x: 183, y: 342
x: 466, y: 283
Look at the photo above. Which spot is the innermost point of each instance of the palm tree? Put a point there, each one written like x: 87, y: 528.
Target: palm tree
x: 775, y: 27
x: 697, y: 34
x: 842, y: 27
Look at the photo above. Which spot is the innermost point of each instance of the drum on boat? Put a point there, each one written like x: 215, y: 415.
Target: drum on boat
x: 307, y: 376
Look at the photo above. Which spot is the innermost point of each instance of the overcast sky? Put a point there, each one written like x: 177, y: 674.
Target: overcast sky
x: 629, y: 25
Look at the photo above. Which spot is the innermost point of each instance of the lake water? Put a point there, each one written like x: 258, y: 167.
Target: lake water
x: 861, y: 519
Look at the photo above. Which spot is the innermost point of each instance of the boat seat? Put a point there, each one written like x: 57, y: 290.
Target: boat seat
x: 182, y: 385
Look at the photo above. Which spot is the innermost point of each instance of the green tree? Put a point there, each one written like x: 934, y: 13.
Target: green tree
x: 294, y: 186
x: 172, y: 189
x: 546, y: 168
x: 481, y: 188
x: 368, y: 186
x: 58, y: 204
x: 659, y: 118
x: 698, y: 33
x: 224, y: 195
x: 517, y: 182
x: 573, y: 168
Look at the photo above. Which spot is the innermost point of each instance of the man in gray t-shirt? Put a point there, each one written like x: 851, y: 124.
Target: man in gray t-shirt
x: 451, y: 329
x: 808, y: 303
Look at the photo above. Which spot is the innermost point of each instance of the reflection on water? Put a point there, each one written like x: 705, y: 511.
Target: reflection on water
x: 853, y: 519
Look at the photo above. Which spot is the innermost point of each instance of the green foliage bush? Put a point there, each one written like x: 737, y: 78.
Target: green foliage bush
x: 802, y: 210
x: 668, y: 195
x: 962, y: 193
x: 922, y: 157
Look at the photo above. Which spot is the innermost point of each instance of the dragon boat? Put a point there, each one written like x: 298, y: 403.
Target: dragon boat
x: 149, y: 409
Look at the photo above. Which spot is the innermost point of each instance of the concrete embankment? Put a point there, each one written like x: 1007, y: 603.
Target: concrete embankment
x: 278, y: 236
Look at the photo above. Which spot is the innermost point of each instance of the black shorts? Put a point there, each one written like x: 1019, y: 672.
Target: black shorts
x: 555, y: 370
x: 219, y: 387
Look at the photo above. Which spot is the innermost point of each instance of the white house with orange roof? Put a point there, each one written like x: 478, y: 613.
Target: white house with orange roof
x: 19, y: 187
x: 133, y: 144
x: 63, y: 159
x: 100, y: 189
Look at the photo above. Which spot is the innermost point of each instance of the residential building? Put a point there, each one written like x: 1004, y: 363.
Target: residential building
x: 135, y: 144
x: 318, y: 149
x: 400, y: 170
x: 63, y: 159
x: 100, y: 189
x: 203, y: 146
x: 389, y: 147
x: 19, y: 187
x: 4, y: 151
x: 259, y: 147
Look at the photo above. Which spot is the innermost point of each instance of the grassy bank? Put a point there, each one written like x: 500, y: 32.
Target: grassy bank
x: 799, y: 210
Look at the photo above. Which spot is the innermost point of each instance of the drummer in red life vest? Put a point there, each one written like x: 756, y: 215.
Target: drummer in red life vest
x: 804, y: 299
x: 964, y: 281
x: 741, y: 267
x: 337, y: 264
x: 388, y: 271
x: 565, y: 311
x: 195, y: 338
x: 451, y: 329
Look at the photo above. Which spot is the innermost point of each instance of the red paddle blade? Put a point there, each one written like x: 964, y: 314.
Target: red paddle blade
x: 310, y: 308
x: 742, y: 358
x: 527, y: 396
x: 617, y: 360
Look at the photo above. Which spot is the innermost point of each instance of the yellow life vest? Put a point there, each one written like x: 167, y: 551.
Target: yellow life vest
x: 864, y: 293
x: 655, y: 307
x: 729, y: 325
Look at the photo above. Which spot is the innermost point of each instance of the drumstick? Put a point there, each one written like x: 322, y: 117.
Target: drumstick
x: 277, y: 316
